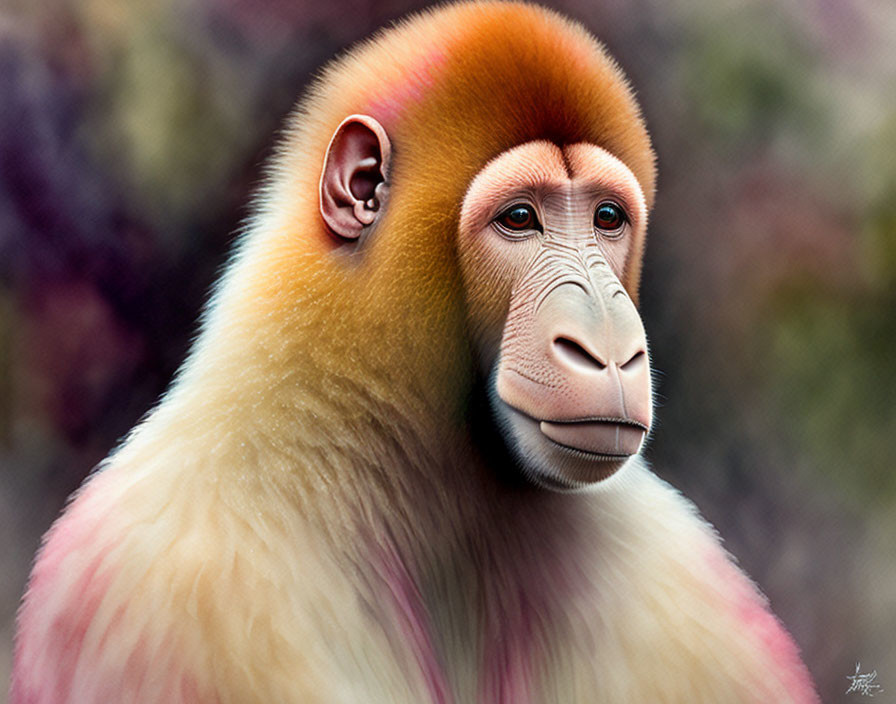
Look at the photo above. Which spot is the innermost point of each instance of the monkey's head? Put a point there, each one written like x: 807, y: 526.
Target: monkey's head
x: 480, y: 178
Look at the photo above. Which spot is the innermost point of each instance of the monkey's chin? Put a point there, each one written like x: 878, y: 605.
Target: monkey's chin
x: 548, y: 463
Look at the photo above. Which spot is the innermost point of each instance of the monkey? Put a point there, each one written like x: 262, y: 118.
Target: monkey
x: 402, y: 461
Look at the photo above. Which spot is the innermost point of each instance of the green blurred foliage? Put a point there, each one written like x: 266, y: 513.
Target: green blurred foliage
x: 835, y: 349
x: 835, y: 380
x: 747, y: 77
x: 817, y: 307
x: 168, y: 113
x: 879, y: 222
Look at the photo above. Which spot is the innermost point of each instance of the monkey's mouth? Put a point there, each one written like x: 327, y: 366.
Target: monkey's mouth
x: 567, y: 454
x: 605, y: 438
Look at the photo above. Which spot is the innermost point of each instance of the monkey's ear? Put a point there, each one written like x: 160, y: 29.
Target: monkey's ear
x: 353, y: 185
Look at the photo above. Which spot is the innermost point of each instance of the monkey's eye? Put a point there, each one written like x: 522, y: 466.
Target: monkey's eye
x: 518, y: 219
x: 609, y: 218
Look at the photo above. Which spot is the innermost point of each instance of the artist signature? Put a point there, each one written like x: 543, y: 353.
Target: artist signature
x: 863, y: 682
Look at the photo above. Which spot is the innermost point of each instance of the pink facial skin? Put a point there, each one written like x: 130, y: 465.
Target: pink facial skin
x: 572, y: 384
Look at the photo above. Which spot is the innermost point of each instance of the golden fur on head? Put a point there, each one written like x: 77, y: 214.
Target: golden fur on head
x: 453, y: 87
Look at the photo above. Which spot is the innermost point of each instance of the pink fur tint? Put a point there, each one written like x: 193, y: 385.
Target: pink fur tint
x: 66, y: 589
x: 778, y: 645
x: 507, y: 677
x: 394, y: 99
x: 79, y: 639
x: 755, y: 618
x: 412, y: 621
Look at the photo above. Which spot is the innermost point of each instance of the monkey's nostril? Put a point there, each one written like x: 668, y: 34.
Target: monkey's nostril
x: 637, y: 359
x: 574, y: 353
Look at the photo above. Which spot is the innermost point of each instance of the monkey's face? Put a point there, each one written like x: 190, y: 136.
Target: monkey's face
x: 546, y: 237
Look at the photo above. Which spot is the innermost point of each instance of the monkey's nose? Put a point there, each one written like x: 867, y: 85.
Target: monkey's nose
x: 579, y: 356
x: 605, y: 379
x: 635, y: 362
x: 574, y: 354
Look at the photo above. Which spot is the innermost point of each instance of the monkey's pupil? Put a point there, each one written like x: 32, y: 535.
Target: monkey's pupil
x: 518, y: 217
x: 609, y: 217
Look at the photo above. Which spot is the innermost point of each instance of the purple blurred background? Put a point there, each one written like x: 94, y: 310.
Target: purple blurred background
x: 131, y: 138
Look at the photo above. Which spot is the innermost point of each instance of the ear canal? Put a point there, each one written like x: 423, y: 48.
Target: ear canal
x: 353, y: 183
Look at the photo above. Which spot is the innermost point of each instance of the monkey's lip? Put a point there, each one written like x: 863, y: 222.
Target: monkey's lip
x: 610, y: 438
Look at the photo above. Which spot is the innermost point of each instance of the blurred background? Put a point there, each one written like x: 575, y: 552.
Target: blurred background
x: 132, y: 135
